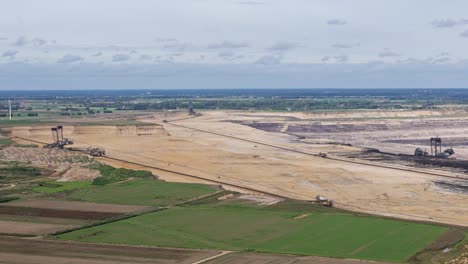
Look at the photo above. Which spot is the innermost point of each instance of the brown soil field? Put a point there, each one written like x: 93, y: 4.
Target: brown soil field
x: 358, y: 187
x: 10, y: 227
x: 46, y: 220
x: 76, y: 206
x: 66, y: 209
x: 263, y: 258
x: 54, y: 213
x: 36, y: 251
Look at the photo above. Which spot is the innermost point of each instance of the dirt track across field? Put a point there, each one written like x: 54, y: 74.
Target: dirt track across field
x: 357, y: 187
x: 264, y: 258
x: 35, y: 251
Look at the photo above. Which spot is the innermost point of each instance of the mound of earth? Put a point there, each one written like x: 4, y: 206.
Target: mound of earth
x: 40, y: 156
x: 79, y: 174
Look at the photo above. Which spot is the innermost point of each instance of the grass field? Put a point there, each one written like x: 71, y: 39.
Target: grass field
x: 141, y: 192
x: 55, y: 186
x: 242, y: 228
x: 16, y: 171
x: 4, y: 141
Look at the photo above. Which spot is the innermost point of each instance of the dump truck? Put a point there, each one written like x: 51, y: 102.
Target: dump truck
x: 322, y: 154
x: 91, y: 150
x: 95, y: 151
x: 419, y: 152
x: 322, y: 200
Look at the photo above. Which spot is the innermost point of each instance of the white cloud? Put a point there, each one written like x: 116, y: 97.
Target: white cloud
x: 228, y: 45
x: 70, y: 59
x: 226, y: 54
x: 38, y: 42
x: 268, y: 60
x: 145, y: 57
x: 449, y: 23
x: 10, y: 53
x: 341, y: 58
x: 325, y: 59
x: 464, y: 34
x: 337, y: 22
x: 120, y: 57
x: 282, y: 46
x: 441, y: 60
x: 166, y: 75
x: 214, y: 32
x: 343, y: 46
x: 335, y: 59
x: 388, y: 53
x: 20, y: 41
x: 250, y: 3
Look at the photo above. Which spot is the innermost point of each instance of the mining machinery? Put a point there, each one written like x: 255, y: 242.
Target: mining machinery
x: 95, y: 151
x: 436, y: 149
x: 58, y: 140
x: 420, y: 152
x: 190, y: 109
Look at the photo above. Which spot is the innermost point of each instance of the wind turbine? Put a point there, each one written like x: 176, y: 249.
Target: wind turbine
x: 9, y: 108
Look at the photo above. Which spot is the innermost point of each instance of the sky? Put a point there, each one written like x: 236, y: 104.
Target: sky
x: 156, y: 44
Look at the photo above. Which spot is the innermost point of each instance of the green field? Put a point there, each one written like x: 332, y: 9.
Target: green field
x: 268, y: 230
x: 55, y: 186
x: 16, y: 171
x: 4, y: 141
x: 141, y: 192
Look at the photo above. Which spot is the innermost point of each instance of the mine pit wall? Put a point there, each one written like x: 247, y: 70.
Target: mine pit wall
x: 70, y: 131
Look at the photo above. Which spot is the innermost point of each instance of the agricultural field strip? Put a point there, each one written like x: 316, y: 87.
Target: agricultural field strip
x: 375, y: 164
x: 269, y: 258
x: 30, y: 228
x: 34, y: 251
x: 134, y: 214
x: 267, y: 231
x: 74, y: 206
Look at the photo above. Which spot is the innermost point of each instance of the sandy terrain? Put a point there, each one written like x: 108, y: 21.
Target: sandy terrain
x: 389, y: 131
x: 10, y: 227
x: 357, y: 187
x: 35, y: 251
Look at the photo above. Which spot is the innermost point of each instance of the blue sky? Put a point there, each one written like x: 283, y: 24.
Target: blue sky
x: 115, y: 44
